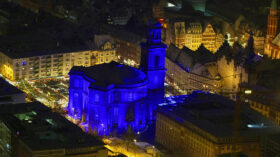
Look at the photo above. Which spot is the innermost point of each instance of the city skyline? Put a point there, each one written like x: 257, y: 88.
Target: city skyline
x: 152, y: 78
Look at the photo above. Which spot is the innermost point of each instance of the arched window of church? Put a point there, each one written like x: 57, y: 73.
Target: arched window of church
x: 157, y: 60
x: 76, y: 99
x: 129, y: 96
x: 96, y: 98
x: 158, y: 34
x: 152, y: 35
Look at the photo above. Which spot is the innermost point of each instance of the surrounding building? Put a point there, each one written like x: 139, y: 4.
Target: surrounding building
x: 192, y: 35
x: 111, y: 97
x: 265, y: 101
x: 128, y: 47
x: 17, y: 63
x: 10, y: 94
x: 204, y: 124
x: 104, y: 50
x: 209, y: 38
x: 272, y: 41
x: 32, y: 129
x: 179, y: 34
x: 231, y: 75
x: 202, y: 70
x: 188, y: 81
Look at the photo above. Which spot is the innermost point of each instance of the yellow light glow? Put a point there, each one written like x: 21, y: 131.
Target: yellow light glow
x: 248, y: 91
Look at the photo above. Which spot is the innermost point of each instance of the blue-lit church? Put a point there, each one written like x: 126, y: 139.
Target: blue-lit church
x: 110, y: 97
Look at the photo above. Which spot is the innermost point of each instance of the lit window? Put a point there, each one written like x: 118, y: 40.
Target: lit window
x: 96, y: 98
x: 23, y: 63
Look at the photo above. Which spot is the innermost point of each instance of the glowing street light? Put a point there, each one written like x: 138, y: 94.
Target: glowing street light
x: 248, y: 91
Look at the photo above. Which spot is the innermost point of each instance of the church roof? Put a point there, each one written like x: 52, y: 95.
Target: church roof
x: 273, y: 5
x: 172, y: 52
x: 276, y: 40
x: 111, y: 73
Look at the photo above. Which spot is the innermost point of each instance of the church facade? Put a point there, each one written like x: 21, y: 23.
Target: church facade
x: 111, y: 97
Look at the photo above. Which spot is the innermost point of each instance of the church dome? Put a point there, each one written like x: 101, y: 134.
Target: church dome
x: 112, y: 73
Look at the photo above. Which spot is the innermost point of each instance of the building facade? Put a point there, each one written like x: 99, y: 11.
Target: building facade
x: 179, y: 34
x: 209, y: 38
x: 188, y: 82
x: 192, y: 35
x: 53, y: 64
x: 192, y: 126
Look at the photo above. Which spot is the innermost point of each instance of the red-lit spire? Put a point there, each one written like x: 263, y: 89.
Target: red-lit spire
x: 272, y: 21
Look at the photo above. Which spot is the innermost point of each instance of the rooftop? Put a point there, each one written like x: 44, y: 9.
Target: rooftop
x: 7, y: 89
x: 40, y: 128
x: 29, y: 34
x: 264, y: 96
x: 111, y: 73
x: 215, y: 114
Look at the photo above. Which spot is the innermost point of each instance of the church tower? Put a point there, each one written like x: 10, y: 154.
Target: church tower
x: 272, y: 21
x: 153, y: 57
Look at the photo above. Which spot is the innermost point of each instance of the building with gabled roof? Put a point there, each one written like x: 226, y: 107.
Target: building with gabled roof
x: 193, y: 35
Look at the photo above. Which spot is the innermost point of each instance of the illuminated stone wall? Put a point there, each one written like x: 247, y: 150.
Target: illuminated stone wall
x: 231, y: 75
x: 109, y: 109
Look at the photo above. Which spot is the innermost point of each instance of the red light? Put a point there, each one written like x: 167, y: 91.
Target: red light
x: 161, y: 20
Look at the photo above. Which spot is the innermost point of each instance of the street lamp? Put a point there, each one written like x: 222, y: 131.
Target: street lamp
x: 248, y: 91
